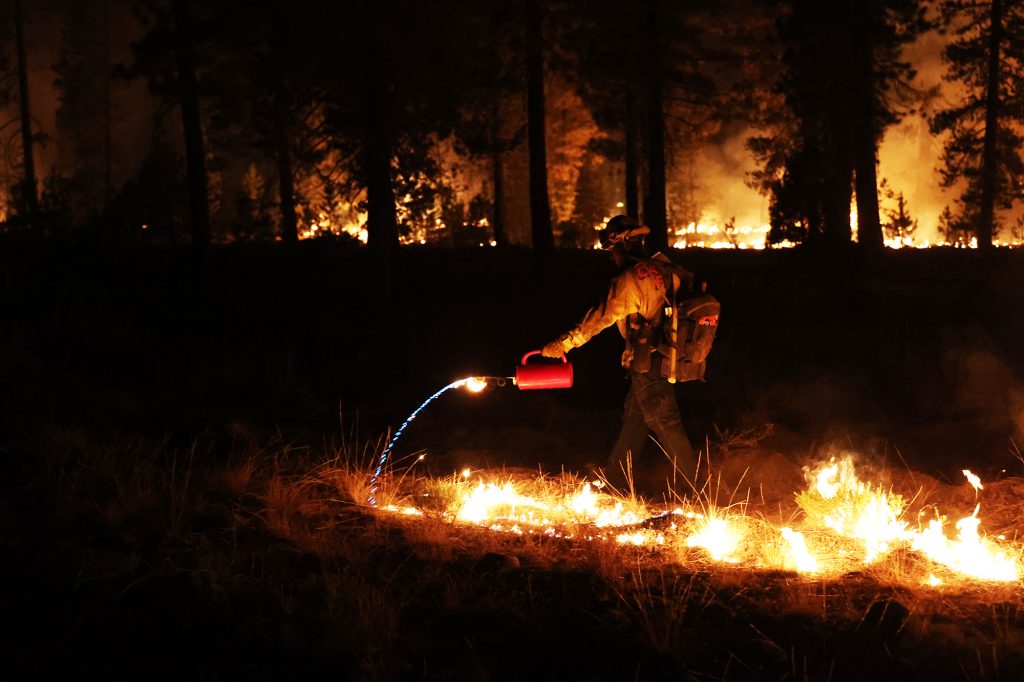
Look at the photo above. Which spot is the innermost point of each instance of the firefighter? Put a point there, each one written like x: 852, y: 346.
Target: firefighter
x: 635, y: 304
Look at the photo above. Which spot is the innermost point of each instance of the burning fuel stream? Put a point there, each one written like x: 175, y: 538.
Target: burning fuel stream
x: 475, y: 384
x: 849, y: 523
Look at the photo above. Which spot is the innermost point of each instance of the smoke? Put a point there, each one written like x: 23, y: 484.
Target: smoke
x: 1017, y: 407
x: 909, y: 156
x: 720, y: 173
x: 986, y: 387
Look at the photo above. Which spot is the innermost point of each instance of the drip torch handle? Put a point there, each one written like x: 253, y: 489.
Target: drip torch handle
x: 543, y: 374
x: 537, y: 352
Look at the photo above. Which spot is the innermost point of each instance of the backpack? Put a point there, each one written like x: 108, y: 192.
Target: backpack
x: 688, y: 327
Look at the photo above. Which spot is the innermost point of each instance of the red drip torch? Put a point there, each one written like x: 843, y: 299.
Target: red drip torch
x: 542, y: 375
x: 538, y: 375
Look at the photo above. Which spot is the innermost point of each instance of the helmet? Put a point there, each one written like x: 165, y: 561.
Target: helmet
x: 622, y: 232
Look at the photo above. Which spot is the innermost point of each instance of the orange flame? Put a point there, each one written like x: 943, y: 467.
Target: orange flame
x: 842, y: 508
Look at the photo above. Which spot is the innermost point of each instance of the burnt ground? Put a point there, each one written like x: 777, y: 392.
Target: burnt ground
x: 136, y: 543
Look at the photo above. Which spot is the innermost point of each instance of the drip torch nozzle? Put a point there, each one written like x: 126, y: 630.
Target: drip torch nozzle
x: 496, y: 381
x: 478, y: 384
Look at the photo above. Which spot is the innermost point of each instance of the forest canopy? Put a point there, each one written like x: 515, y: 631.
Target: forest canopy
x: 739, y: 124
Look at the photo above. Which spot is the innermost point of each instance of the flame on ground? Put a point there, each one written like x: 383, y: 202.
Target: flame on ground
x: 846, y: 523
x: 718, y: 537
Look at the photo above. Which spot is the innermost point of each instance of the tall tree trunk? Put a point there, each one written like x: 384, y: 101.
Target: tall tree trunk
x: 838, y: 185
x: 381, y: 221
x: 989, y: 169
x: 282, y: 126
x: 865, y: 131
x: 498, y: 177
x: 869, y: 225
x: 108, y: 114
x: 29, y: 189
x: 195, y: 153
x: 632, y: 155
x: 285, y: 178
x: 540, y: 207
x: 655, y: 213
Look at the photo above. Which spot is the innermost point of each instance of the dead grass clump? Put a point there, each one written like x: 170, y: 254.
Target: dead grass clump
x: 101, y: 476
x: 128, y: 482
x: 1002, y: 507
x: 349, y: 485
x: 435, y: 539
x: 350, y: 467
x: 741, y: 439
x: 294, y: 508
x: 437, y: 497
x: 280, y: 502
x: 660, y: 600
x: 367, y: 610
x: 233, y: 481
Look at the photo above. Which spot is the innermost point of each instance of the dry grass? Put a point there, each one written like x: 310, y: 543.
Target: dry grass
x: 372, y: 568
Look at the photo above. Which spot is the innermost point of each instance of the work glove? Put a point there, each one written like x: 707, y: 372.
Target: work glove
x: 553, y: 349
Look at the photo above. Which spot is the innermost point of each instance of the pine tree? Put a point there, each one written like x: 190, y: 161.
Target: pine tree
x: 11, y: 176
x: 606, y: 50
x: 572, y: 130
x: 952, y: 228
x: 657, y: 76
x: 986, y: 58
x: 843, y: 84
x: 490, y: 105
x: 192, y: 127
x: 84, y: 115
x: 173, y: 58
x: 28, y: 190
x: 540, y: 205
x: 898, y: 225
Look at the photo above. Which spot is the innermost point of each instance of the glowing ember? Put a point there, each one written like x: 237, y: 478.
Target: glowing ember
x: 973, y: 479
x: 638, y: 539
x: 405, y: 511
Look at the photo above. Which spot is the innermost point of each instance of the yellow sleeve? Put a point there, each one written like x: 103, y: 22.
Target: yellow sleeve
x: 620, y: 302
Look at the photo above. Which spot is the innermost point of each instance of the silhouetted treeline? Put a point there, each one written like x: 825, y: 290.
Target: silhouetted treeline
x: 479, y: 120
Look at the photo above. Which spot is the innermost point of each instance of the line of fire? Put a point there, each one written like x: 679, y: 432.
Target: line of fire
x: 511, y: 340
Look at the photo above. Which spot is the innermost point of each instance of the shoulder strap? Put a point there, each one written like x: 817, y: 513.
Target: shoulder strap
x: 670, y: 273
x: 675, y: 276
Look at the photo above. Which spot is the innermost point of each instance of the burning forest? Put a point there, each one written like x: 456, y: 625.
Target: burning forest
x: 527, y: 340
x: 712, y: 124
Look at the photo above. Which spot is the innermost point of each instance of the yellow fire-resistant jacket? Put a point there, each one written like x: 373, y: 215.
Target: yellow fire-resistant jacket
x: 640, y: 289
